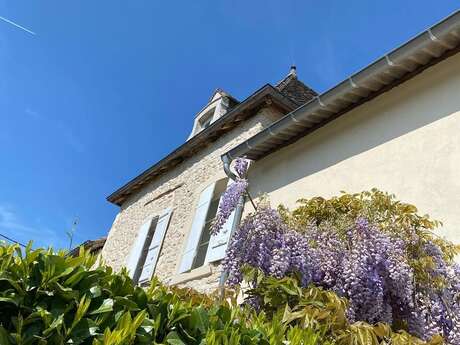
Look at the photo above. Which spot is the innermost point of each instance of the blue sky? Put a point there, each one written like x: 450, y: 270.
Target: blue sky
x: 106, y: 88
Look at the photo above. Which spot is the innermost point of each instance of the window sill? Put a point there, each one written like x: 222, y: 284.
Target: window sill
x: 200, y: 272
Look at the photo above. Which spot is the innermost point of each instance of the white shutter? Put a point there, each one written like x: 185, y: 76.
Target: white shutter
x: 155, y: 246
x: 197, y: 227
x: 218, y: 243
x: 137, y: 248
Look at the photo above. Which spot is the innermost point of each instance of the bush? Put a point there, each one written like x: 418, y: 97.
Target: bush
x: 51, y: 298
x: 320, y: 311
x: 392, y: 216
x: 369, y: 248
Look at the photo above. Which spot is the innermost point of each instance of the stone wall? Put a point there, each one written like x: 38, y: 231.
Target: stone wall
x: 179, y: 189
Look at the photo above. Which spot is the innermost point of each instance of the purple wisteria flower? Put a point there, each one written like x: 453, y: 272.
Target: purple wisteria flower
x: 329, y: 254
x: 228, y: 203
x: 367, y: 266
x: 375, y: 276
x: 437, y: 310
x: 264, y: 241
x: 231, y: 196
x: 241, y: 167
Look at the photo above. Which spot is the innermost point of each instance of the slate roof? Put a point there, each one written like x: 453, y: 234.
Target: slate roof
x: 293, y: 88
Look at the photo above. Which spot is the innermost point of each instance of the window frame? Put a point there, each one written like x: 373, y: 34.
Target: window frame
x: 205, y: 238
x: 148, y: 240
x: 186, y: 266
x: 205, y: 120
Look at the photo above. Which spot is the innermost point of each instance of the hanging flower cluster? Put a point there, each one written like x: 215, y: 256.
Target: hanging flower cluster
x: 437, y: 311
x: 241, y: 167
x: 375, y: 275
x: 369, y: 267
x: 231, y: 196
x: 264, y: 241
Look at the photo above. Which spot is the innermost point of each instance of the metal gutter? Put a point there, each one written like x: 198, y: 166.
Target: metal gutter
x: 426, y: 49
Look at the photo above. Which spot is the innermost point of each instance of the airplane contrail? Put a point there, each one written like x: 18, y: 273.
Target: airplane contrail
x: 17, y: 25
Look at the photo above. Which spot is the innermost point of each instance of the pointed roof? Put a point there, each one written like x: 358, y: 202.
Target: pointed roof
x: 222, y: 93
x: 293, y: 88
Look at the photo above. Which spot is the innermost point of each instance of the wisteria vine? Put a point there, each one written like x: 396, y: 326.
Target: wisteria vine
x: 231, y: 196
x: 369, y: 267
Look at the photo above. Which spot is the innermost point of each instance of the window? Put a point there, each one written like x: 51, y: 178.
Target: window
x: 203, y: 244
x: 200, y: 244
x: 145, y: 252
x: 204, y: 123
x: 205, y: 120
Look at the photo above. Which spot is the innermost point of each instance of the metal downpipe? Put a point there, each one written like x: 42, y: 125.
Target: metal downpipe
x: 238, y: 214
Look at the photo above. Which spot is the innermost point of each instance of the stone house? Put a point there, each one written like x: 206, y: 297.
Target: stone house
x: 393, y: 125
x: 162, y: 226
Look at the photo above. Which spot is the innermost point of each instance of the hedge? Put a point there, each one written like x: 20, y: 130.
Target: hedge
x: 48, y: 297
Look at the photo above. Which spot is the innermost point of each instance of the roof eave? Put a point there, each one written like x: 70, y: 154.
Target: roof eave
x: 426, y: 49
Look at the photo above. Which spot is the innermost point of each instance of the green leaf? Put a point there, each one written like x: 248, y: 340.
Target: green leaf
x: 13, y: 284
x: 174, y: 339
x: 85, y: 329
x: 105, y: 307
x: 4, y: 338
x: 55, y: 325
x: 126, y: 302
x: 9, y: 300
x: 199, y: 319
x: 95, y: 291
x: 81, y: 311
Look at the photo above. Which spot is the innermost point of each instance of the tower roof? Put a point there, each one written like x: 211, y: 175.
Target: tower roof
x: 293, y: 88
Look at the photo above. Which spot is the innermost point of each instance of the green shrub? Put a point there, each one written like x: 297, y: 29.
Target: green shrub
x: 399, y: 219
x: 377, y: 252
x: 322, y: 312
x: 51, y: 298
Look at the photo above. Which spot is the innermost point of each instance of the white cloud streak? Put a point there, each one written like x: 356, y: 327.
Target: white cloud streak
x: 17, y: 25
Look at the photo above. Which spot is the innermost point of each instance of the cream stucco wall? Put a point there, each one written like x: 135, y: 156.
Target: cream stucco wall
x: 406, y: 141
x: 179, y: 189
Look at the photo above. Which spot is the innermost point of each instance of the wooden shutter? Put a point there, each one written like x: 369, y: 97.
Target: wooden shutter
x: 155, y: 246
x: 138, y: 247
x: 218, y: 243
x: 197, y: 227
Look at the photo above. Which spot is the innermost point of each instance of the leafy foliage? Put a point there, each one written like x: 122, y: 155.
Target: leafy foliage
x: 51, y: 298
x: 320, y: 311
x: 382, y: 209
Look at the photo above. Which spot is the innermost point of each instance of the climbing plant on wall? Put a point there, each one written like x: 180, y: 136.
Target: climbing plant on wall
x: 373, y: 250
